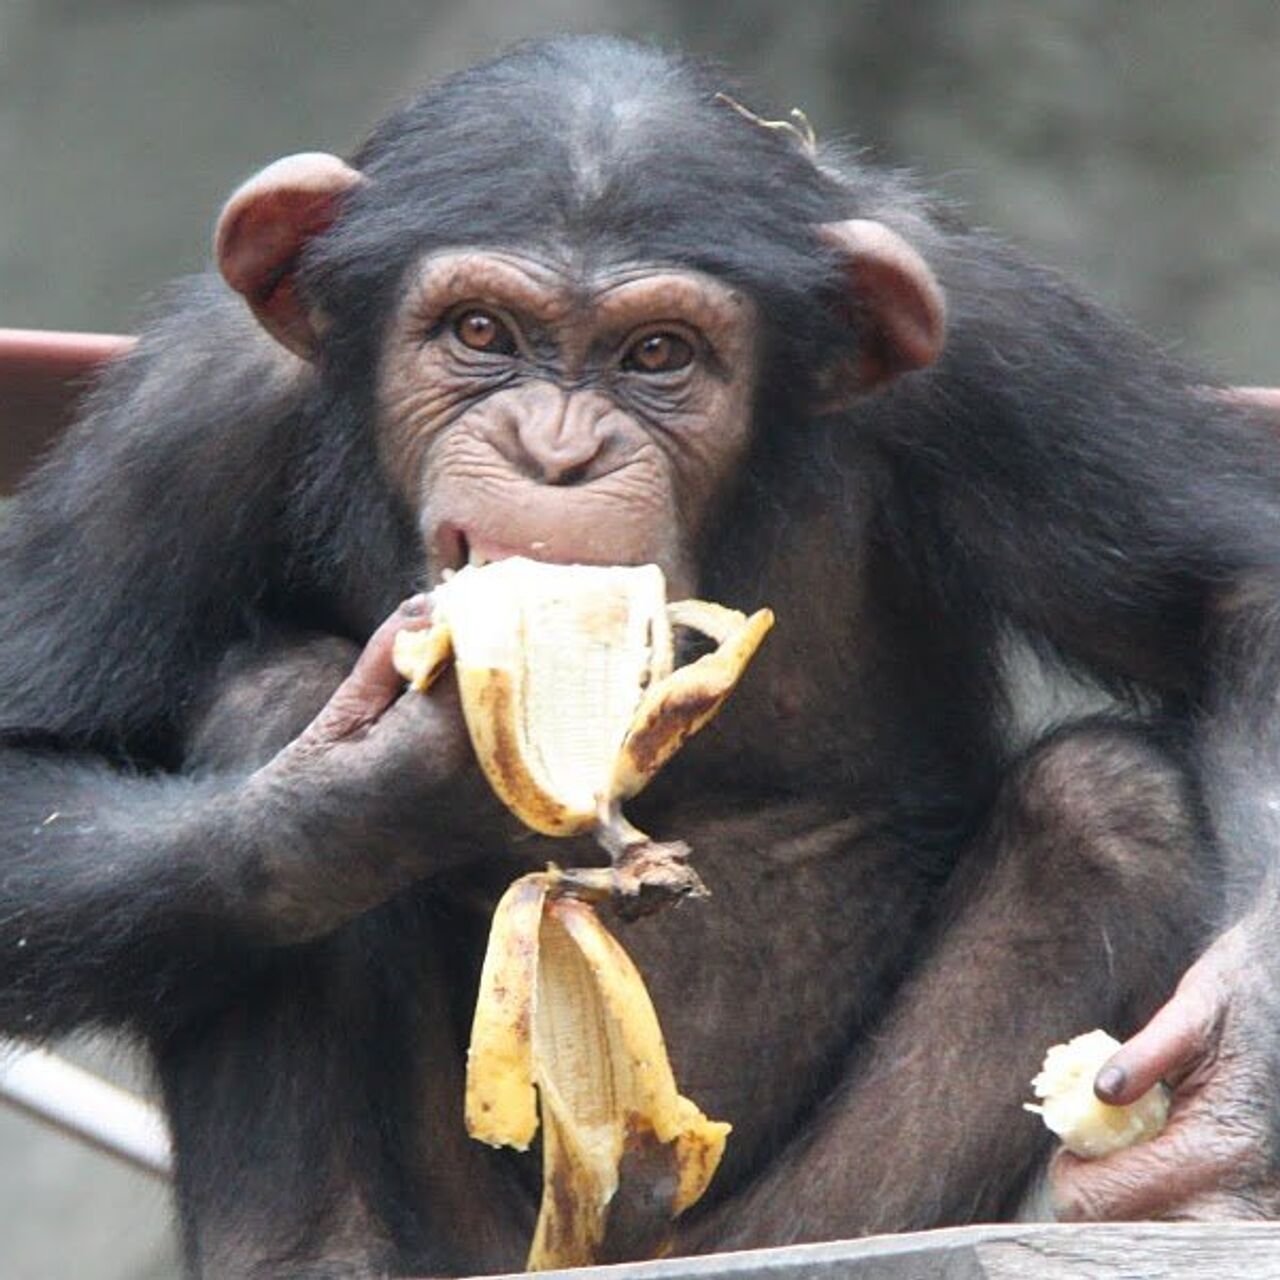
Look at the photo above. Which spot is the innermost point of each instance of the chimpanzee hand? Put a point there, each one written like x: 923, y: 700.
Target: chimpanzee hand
x: 368, y: 797
x: 371, y: 720
x: 1215, y: 1042
x: 374, y: 742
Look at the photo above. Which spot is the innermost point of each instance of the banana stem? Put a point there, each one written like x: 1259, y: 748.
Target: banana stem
x: 645, y: 874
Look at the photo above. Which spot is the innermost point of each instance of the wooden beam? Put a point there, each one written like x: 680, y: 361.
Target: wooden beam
x: 1111, y: 1251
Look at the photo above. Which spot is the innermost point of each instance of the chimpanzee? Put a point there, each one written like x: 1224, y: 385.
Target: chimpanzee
x: 578, y: 303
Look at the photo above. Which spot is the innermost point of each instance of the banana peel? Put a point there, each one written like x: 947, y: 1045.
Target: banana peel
x: 564, y: 1025
x: 573, y: 703
x: 572, y: 698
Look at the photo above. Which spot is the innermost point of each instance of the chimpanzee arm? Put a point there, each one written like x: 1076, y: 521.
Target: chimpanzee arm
x: 1076, y: 907
x: 1240, y: 750
x: 129, y: 898
x: 1102, y: 500
x: 1085, y: 490
x: 1217, y: 1040
x: 149, y: 543
x: 116, y: 894
x: 263, y: 695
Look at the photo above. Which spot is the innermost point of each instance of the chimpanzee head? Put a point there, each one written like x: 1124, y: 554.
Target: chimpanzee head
x: 575, y: 284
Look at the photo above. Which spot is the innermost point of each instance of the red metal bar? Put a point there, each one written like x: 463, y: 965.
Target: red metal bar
x: 42, y: 376
x: 1263, y: 397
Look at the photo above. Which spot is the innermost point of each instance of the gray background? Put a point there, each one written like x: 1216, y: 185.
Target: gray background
x: 1137, y: 146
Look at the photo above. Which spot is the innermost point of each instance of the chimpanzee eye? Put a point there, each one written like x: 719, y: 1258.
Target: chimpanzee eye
x: 483, y: 331
x: 662, y: 352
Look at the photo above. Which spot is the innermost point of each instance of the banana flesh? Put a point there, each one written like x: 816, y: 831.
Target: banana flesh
x: 1086, y: 1125
x: 563, y: 1021
x: 568, y: 685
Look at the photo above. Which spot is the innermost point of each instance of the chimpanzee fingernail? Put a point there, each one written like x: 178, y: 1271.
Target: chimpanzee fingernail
x: 415, y: 606
x: 1110, y: 1081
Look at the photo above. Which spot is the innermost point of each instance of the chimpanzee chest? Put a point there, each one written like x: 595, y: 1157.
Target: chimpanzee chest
x: 760, y: 987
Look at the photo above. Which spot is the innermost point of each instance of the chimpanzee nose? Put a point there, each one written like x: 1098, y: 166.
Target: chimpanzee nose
x: 560, y: 434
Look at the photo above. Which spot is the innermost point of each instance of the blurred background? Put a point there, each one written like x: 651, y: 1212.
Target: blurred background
x: 1137, y: 147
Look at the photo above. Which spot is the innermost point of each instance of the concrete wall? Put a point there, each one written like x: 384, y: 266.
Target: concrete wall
x: 1136, y: 146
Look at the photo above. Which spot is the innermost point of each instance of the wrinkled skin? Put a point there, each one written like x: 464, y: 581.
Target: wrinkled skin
x: 343, y: 758
x: 553, y: 440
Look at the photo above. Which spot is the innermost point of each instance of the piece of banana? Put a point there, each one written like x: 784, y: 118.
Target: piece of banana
x: 568, y: 683
x: 573, y: 703
x: 563, y: 1011
x: 1086, y: 1125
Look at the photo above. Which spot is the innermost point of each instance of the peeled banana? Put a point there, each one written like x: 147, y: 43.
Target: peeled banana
x: 562, y: 1010
x: 1086, y: 1125
x: 569, y: 687
x: 573, y: 703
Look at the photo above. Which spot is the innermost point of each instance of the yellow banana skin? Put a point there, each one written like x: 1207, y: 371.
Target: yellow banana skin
x: 492, y: 711
x: 491, y: 707
x: 673, y: 710
x: 501, y: 1107
x: 496, y: 621
x: 573, y: 703
x: 563, y: 1008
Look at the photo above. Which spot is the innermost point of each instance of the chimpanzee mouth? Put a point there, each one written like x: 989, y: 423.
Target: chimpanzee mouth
x: 456, y: 548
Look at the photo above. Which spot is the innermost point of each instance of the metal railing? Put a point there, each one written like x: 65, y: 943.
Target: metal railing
x: 81, y: 1105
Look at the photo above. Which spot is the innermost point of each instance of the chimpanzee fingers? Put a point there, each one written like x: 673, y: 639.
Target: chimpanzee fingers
x: 1153, y: 1180
x: 1199, y: 1193
x: 430, y: 727
x: 374, y: 684
x: 1181, y: 1034
x: 1223, y: 1205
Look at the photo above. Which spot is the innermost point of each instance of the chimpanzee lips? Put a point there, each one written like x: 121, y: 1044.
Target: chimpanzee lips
x: 481, y: 551
x: 455, y: 546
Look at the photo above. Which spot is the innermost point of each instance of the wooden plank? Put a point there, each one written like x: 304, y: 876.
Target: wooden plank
x: 1110, y: 1251
x: 1136, y: 1251
x: 42, y: 376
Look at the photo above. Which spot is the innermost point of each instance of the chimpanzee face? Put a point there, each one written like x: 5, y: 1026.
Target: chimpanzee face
x: 530, y: 407
x: 583, y: 405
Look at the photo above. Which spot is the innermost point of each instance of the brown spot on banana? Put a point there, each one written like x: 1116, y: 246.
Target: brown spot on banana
x: 492, y: 710
x: 640, y: 1222
x: 666, y: 728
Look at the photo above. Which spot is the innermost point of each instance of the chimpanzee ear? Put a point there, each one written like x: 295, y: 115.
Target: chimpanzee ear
x: 263, y: 229
x: 897, y: 298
